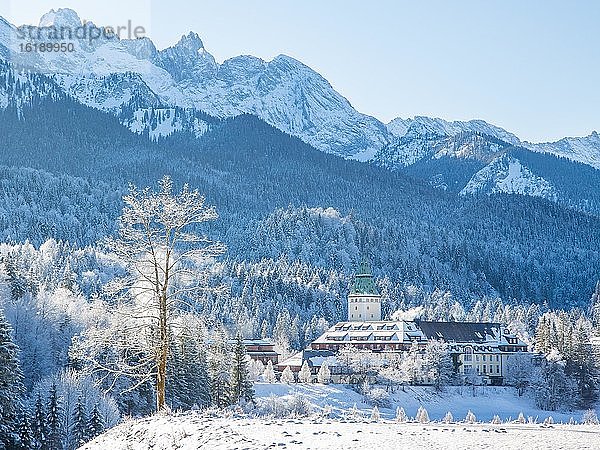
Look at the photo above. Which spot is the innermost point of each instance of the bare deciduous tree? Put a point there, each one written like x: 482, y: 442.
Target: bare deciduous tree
x: 167, y: 267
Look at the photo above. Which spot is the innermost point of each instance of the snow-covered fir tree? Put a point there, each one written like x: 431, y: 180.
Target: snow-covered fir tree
x: 26, y: 441
x: 268, y: 375
x: 401, y: 416
x: 40, y: 425
x: 422, y: 415
x: 55, y: 412
x: 219, y: 370
x: 240, y: 385
x: 287, y: 376
x: 375, y: 414
x: 79, y: 431
x: 189, y: 384
x: 324, y: 374
x: 11, y: 385
x: 95, y: 425
x: 305, y: 375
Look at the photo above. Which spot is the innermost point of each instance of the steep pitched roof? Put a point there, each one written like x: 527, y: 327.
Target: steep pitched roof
x: 460, y: 331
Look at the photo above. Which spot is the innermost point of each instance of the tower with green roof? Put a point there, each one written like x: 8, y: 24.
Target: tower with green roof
x: 364, y: 301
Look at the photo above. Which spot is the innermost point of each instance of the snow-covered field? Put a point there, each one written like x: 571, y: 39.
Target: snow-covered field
x: 195, y: 431
x: 344, y: 430
x: 484, y: 402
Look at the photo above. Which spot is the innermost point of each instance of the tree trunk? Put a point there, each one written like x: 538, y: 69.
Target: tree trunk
x: 163, y: 349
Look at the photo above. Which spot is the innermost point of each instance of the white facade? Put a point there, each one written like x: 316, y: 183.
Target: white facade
x: 364, y: 308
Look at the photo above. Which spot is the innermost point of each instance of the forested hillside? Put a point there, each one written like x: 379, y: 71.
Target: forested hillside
x: 262, y: 182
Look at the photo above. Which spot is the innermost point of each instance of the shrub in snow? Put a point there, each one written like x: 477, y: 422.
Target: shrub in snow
x: 496, y: 420
x: 280, y: 407
x: 470, y: 418
x: 327, y: 411
x: 590, y: 417
x: 572, y: 421
x: 401, y: 415
x: 354, y: 413
x: 521, y: 418
x: 448, y: 418
x: 531, y: 420
x: 375, y: 416
x: 287, y: 376
x: 300, y: 406
x: 422, y: 415
x: 305, y: 375
x: 548, y: 420
x: 378, y: 397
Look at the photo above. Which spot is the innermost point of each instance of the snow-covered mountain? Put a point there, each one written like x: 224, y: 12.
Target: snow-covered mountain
x: 421, y: 125
x: 507, y: 174
x: 581, y: 149
x: 108, y: 73
x: 157, y: 92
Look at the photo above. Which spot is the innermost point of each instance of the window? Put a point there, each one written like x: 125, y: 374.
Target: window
x: 497, y: 358
x: 356, y: 308
x: 468, y: 369
x: 483, y: 358
x: 484, y: 371
x: 491, y: 368
x: 468, y: 354
x: 497, y: 369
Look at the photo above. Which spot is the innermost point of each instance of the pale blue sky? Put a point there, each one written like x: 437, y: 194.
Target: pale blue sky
x: 532, y: 67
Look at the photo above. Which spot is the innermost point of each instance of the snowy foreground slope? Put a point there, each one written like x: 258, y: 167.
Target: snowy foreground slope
x: 355, y: 430
x: 195, y: 431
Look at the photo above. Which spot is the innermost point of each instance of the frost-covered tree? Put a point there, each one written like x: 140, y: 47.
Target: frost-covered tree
x: 305, y: 375
x: 448, y: 418
x: 438, y: 363
x: 412, y: 365
x: 255, y: 369
x: 269, y: 373
x: 11, y: 385
x: 470, y: 417
x: 287, y: 376
x: 167, y: 263
x: 519, y: 370
x: 422, y: 415
x: 401, y: 415
x: 241, y: 384
x: 375, y: 414
x: 553, y: 389
x: 324, y: 374
x: 590, y: 417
